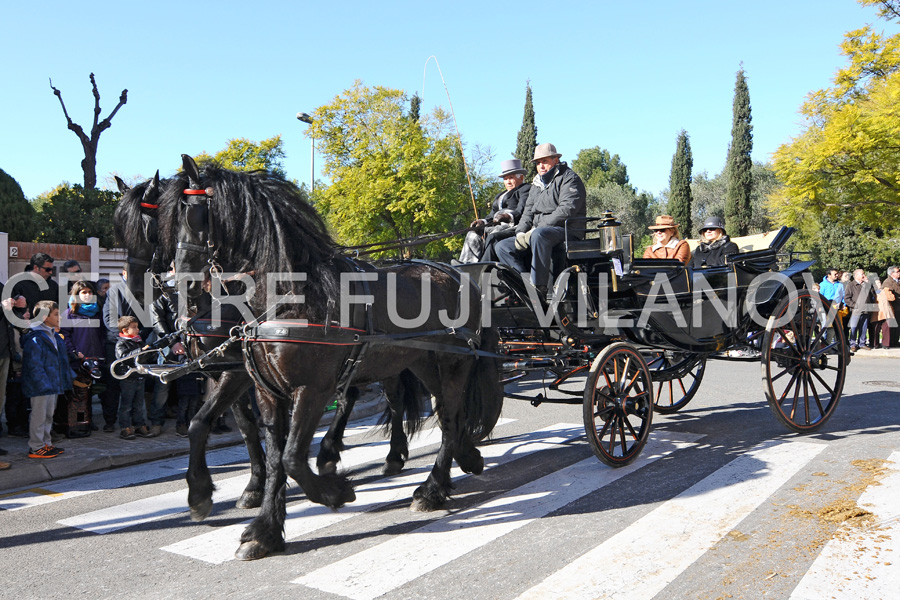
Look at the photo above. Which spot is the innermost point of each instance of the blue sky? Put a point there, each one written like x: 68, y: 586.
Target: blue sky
x: 625, y: 76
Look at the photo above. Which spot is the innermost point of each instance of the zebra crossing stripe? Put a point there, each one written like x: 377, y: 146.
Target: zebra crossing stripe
x: 861, y: 563
x: 687, y: 526
x: 150, y: 509
x: 135, y: 475
x: 362, y: 576
x: 218, y: 546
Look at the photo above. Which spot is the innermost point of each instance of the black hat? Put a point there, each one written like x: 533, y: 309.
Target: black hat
x: 713, y: 223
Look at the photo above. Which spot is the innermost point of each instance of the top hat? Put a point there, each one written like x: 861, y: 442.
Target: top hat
x: 664, y: 222
x: 545, y: 151
x: 512, y: 166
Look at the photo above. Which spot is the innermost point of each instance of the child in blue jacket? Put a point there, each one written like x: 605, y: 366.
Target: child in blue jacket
x: 45, y: 375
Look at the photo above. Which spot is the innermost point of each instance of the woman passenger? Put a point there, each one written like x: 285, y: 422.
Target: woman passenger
x: 666, y: 243
x: 714, y: 246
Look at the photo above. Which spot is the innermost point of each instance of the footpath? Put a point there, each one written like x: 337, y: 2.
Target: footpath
x: 101, y: 450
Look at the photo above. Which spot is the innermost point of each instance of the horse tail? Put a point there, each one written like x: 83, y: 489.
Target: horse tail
x: 484, y: 394
x: 409, y: 392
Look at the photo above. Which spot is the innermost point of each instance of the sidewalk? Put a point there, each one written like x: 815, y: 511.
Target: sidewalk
x: 877, y: 353
x: 101, y: 450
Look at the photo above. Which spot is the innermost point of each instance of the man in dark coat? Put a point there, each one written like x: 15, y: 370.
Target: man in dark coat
x: 29, y: 285
x: 714, y: 246
x: 506, y: 211
x: 557, y: 193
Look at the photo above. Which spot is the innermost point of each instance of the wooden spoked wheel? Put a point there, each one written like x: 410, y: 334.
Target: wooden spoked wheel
x: 618, y: 404
x: 676, y: 378
x: 804, y: 361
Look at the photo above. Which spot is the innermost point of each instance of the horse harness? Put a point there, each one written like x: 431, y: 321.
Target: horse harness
x: 359, y: 336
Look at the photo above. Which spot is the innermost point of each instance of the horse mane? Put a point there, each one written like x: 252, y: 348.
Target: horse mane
x: 127, y: 217
x: 260, y: 222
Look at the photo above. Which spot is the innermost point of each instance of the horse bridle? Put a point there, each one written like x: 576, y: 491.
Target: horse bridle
x: 199, y: 220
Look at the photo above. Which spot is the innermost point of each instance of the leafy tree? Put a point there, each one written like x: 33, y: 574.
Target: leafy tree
x: 526, y: 141
x: 16, y: 213
x: 596, y: 167
x: 89, y: 143
x: 680, y: 198
x: 739, y: 164
x: 856, y: 245
x: 709, y: 198
x: 242, y: 154
x: 70, y: 214
x: 845, y: 164
x: 391, y: 177
x: 629, y: 207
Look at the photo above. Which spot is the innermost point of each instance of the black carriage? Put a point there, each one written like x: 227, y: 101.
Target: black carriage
x: 644, y: 329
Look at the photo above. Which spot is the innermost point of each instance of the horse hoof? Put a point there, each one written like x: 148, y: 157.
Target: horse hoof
x: 202, y: 510
x: 252, y: 550
x: 392, y: 467
x: 250, y: 500
x: 328, y: 468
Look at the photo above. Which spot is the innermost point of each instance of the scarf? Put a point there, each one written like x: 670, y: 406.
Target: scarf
x: 707, y: 246
x: 88, y: 310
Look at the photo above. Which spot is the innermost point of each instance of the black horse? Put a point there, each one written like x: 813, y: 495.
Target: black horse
x: 136, y: 222
x: 259, y: 223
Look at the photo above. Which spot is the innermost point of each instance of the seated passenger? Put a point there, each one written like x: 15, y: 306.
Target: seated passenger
x: 714, y: 246
x: 666, y: 243
x: 557, y: 193
x: 503, y: 218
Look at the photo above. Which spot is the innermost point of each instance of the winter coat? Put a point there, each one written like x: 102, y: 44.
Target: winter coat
x: 84, y: 338
x: 885, y: 304
x: 712, y: 254
x: 116, y: 306
x: 6, y: 333
x: 127, y: 347
x: 855, y: 298
x: 512, y: 201
x: 674, y: 249
x: 30, y: 287
x: 45, y: 363
x: 550, y: 204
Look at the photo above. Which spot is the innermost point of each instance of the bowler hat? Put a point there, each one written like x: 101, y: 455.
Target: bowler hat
x: 713, y: 223
x: 512, y: 166
x: 545, y: 151
x: 664, y: 222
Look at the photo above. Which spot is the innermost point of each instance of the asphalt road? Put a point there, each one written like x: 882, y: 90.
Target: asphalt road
x: 723, y: 503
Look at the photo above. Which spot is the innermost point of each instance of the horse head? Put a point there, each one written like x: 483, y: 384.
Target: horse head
x: 194, y: 245
x: 136, y: 226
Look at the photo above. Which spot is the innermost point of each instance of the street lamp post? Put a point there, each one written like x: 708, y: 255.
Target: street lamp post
x: 302, y: 116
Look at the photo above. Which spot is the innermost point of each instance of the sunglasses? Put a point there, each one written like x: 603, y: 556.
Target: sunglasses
x: 47, y: 269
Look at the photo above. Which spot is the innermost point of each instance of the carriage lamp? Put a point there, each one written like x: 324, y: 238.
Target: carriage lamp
x: 610, y: 232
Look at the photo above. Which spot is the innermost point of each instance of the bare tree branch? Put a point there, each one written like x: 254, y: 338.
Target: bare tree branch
x: 89, y: 163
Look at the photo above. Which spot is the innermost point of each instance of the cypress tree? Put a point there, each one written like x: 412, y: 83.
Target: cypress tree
x: 17, y: 216
x: 739, y: 182
x: 415, y: 105
x: 680, y: 185
x: 526, y: 141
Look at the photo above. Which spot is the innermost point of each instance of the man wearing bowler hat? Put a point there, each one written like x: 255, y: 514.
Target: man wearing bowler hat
x: 557, y: 193
x: 506, y: 211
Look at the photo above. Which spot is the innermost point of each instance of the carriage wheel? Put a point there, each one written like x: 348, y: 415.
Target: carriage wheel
x: 804, y: 359
x: 676, y: 378
x: 618, y: 406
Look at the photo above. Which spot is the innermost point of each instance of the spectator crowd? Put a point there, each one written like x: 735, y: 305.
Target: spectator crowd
x: 55, y: 362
